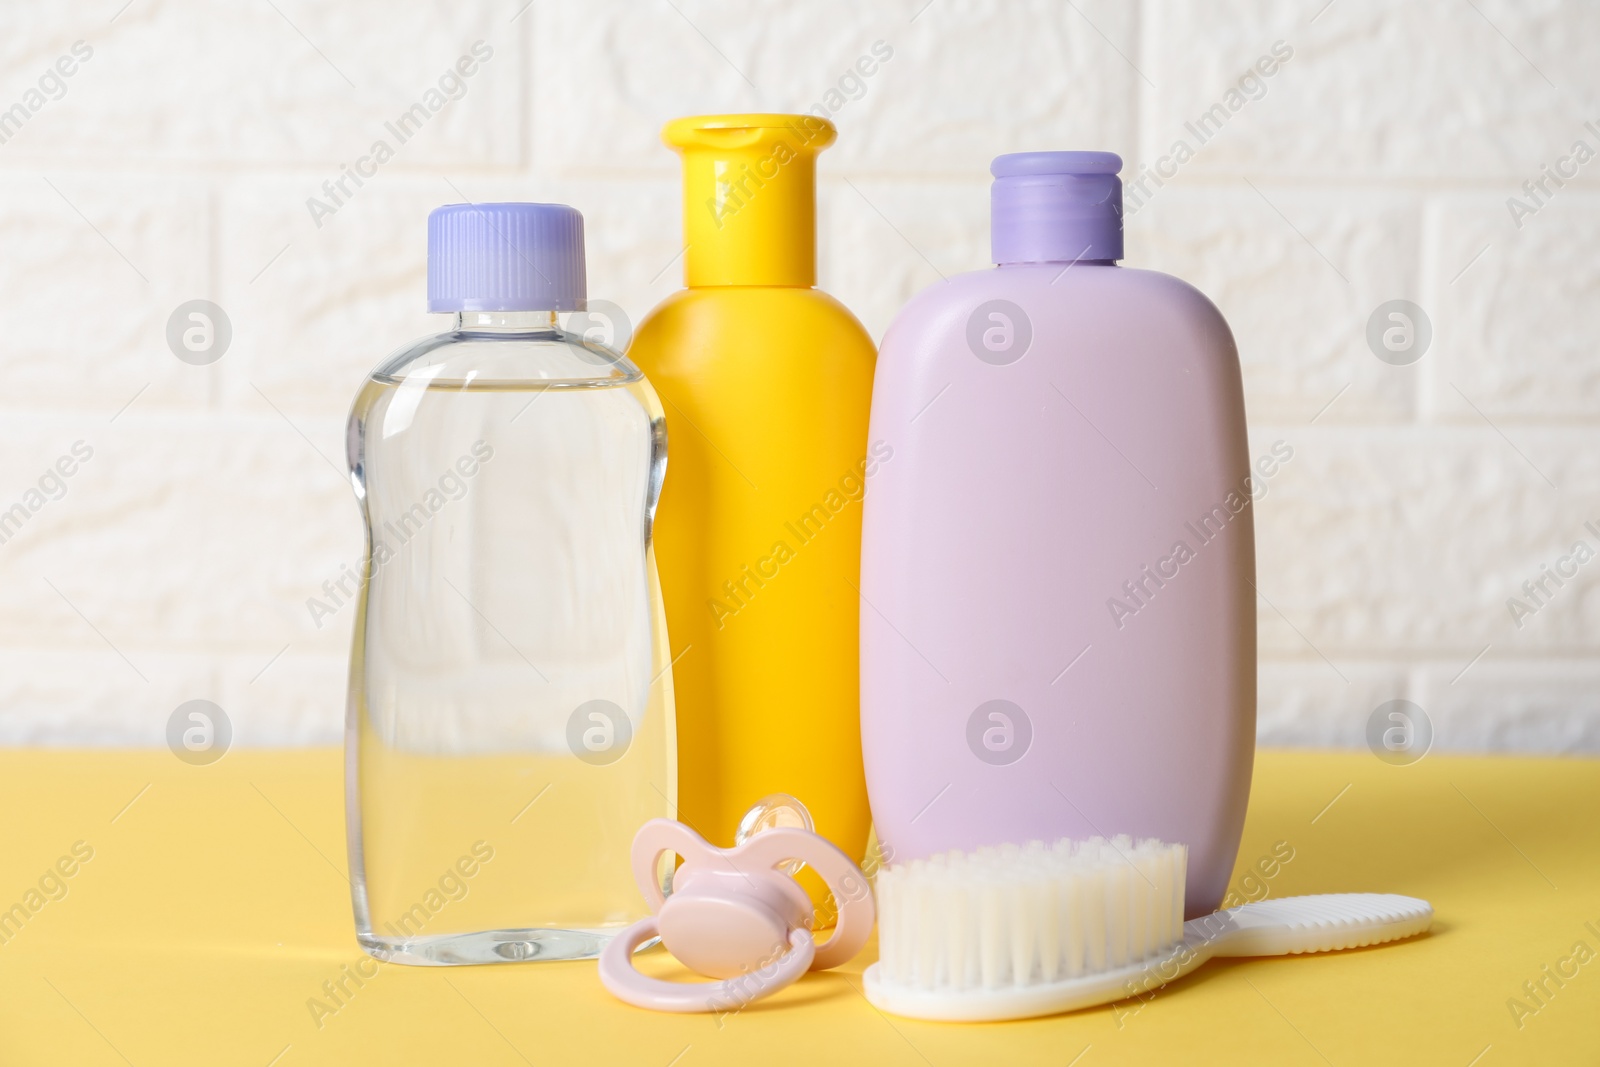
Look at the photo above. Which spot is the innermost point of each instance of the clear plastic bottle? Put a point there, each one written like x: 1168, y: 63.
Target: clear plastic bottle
x: 510, y: 717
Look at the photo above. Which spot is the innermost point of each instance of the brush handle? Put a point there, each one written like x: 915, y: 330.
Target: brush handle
x: 1289, y: 926
x: 1310, y: 924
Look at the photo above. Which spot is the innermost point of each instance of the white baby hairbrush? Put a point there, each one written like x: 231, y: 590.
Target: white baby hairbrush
x: 1015, y: 932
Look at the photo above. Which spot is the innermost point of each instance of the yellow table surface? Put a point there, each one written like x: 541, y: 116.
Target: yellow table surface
x: 215, y: 905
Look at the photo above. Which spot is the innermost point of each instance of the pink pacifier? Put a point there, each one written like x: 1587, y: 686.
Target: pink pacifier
x: 737, y: 913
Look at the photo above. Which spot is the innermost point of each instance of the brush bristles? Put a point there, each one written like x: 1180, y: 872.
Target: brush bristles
x: 1018, y: 915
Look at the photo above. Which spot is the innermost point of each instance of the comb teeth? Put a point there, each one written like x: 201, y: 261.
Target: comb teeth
x: 1019, y: 915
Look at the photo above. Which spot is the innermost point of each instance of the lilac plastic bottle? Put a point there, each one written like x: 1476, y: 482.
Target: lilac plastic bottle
x: 1058, y: 562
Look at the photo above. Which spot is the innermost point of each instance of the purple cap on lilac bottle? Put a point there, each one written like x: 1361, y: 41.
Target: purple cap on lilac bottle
x: 1056, y: 207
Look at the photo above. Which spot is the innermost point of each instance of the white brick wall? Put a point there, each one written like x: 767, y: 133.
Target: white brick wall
x: 1375, y: 166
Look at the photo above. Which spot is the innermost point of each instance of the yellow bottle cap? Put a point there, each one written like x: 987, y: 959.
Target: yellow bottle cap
x: 750, y: 197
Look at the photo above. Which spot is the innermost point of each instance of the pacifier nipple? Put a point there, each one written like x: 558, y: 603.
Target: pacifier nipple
x: 771, y: 812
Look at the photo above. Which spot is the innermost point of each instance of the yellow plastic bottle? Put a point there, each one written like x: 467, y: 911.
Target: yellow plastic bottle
x: 766, y: 383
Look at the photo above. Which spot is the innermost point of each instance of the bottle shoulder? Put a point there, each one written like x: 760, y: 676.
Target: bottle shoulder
x: 1052, y: 281
x: 780, y: 312
x: 552, y: 358
x: 1063, y: 301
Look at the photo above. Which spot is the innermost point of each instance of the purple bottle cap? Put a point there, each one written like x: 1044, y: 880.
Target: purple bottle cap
x: 1055, y: 207
x: 506, y: 257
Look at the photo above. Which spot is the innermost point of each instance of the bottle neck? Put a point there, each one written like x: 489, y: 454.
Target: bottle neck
x: 749, y: 198
x: 505, y: 321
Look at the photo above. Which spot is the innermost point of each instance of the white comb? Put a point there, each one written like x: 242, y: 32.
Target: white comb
x: 1014, y: 932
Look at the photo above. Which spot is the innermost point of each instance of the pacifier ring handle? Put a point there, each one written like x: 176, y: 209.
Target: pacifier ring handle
x: 623, y: 980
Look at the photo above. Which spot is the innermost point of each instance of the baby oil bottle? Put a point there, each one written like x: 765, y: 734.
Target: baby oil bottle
x: 510, y: 720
